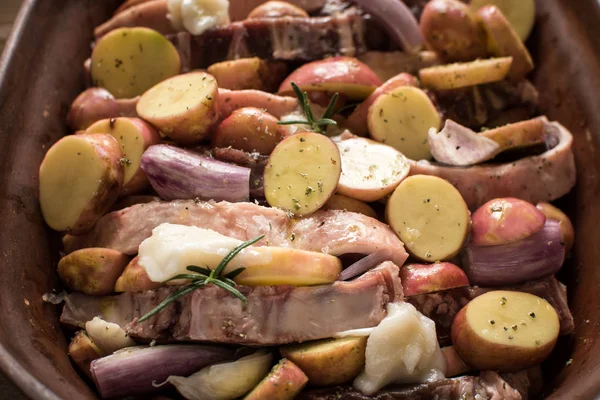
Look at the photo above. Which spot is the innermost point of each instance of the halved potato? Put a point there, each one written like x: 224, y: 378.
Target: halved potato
x: 92, y: 271
x: 129, y: 61
x: 135, y: 278
x: 134, y: 137
x: 344, y: 75
x: 184, y: 107
x: 554, y: 213
x: 249, y: 73
x: 276, y: 9
x: 284, y: 382
x: 345, y: 203
x: 428, y: 278
x: 402, y: 119
x: 302, y: 173
x: 370, y: 170
x: 505, y: 331
x: 429, y: 215
x: 519, y: 134
x: 520, y: 13
x: 83, y: 351
x: 249, y: 129
x: 80, y: 178
x: 504, y: 41
x: 328, y: 362
x: 459, y: 75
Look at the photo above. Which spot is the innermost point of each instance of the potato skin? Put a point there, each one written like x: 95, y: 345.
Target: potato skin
x: 284, y: 382
x: 554, y: 213
x: 275, y: 9
x: 134, y: 278
x: 95, y: 104
x: 424, y: 278
x: 92, y: 271
x: 249, y: 73
x: 453, y: 31
x: 329, y: 362
x: 83, y: 351
x: 483, y: 355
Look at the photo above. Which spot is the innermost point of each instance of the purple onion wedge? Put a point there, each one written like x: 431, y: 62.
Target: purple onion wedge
x: 133, y: 370
x: 365, y: 264
x: 182, y: 174
x: 534, y: 257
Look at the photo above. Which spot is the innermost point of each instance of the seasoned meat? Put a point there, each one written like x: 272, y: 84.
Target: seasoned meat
x: 273, y: 315
x: 388, y: 64
x: 333, y: 232
x: 537, y: 178
x: 488, y: 386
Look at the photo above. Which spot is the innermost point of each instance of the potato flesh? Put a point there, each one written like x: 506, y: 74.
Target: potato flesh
x: 370, y: 170
x: 429, y: 215
x: 520, y: 13
x: 70, y: 177
x: 402, y: 119
x: 302, y: 173
x: 519, y: 319
x: 129, y: 61
x: 459, y: 75
x: 345, y: 203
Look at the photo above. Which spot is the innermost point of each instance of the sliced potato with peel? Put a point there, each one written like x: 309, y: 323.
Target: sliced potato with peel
x: 184, y: 108
x: 302, y: 173
x: 430, y: 216
x: 370, y: 170
x: 249, y: 73
x: 505, y: 331
x: 134, y: 137
x: 520, y: 13
x: 402, y: 118
x: 519, y: 134
x: 459, y: 75
x: 80, y: 178
x: 129, y: 61
x: 345, y: 203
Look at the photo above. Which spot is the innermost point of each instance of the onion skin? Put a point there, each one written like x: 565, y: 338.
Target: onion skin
x: 133, y: 370
x: 537, y: 256
x: 182, y: 174
x: 365, y: 264
x: 505, y: 220
x: 556, y: 214
x: 428, y: 278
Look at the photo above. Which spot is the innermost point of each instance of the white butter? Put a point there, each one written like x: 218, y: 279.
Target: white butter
x: 172, y: 248
x: 197, y: 16
x: 403, y: 348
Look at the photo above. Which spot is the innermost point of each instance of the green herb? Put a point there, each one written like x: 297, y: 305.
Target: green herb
x: 206, y: 276
x: 316, y: 124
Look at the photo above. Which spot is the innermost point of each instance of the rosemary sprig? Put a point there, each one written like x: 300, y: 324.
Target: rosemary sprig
x: 206, y: 276
x: 316, y: 124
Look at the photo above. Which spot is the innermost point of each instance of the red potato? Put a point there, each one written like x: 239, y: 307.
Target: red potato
x: 387, y: 64
x: 134, y: 278
x: 505, y: 220
x: 357, y: 121
x: 92, y: 271
x: 95, y: 104
x: 148, y: 14
x: 278, y: 106
x: 428, y: 278
x: 185, y: 107
x: 454, y: 364
x: 276, y: 9
x: 505, y: 331
x: 520, y: 13
x: 284, y: 382
x: 345, y: 203
x: 134, y: 137
x: 344, y: 75
x: 503, y: 41
x: 518, y: 134
x: 451, y: 29
x: 249, y: 129
x: 566, y: 226
x: 80, y: 179
x: 249, y: 73
x: 83, y: 351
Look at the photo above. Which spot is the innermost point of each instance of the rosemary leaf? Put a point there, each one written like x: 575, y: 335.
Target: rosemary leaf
x: 235, y: 273
x: 181, y: 292
x: 200, y: 270
x: 231, y: 290
x: 194, y: 277
x: 331, y: 107
x: 234, y: 253
x: 293, y: 123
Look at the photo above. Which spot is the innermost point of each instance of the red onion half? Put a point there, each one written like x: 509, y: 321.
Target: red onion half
x: 534, y: 257
x: 182, y: 174
x: 365, y: 264
x: 398, y: 20
x: 133, y: 370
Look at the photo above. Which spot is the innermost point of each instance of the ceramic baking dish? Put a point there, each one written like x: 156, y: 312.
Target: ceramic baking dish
x: 40, y: 74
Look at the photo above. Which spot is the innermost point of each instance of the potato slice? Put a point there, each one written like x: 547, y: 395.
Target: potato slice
x: 135, y: 278
x: 92, y: 271
x: 370, y: 170
x: 504, y: 41
x: 249, y: 73
x: 429, y: 215
x: 276, y: 9
x: 83, y: 351
x: 459, y: 75
x: 520, y: 13
x: 80, y: 178
x: 428, y: 278
x: 134, y: 137
x: 129, y: 61
x: 184, y: 107
x: 345, y: 203
x: 402, y: 119
x: 505, y: 331
x: 302, y: 173
x: 519, y: 134
x: 284, y: 382
x: 328, y: 362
